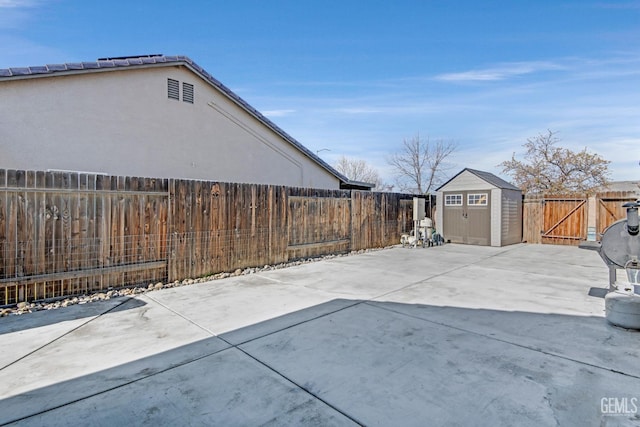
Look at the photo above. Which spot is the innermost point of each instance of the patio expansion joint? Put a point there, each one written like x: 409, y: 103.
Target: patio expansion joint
x: 460, y: 267
x: 300, y: 386
x: 144, y: 377
x: 271, y: 279
x: 128, y: 382
x: 231, y: 346
x: 286, y: 283
x: 493, y: 338
x: 91, y: 319
x: 177, y: 313
x: 257, y: 360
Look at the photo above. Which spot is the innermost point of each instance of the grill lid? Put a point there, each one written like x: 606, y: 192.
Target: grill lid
x: 618, y: 246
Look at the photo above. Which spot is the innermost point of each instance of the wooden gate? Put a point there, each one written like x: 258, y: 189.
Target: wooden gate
x: 610, y: 210
x: 564, y: 220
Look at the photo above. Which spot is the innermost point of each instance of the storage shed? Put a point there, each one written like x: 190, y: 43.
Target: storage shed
x: 479, y: 208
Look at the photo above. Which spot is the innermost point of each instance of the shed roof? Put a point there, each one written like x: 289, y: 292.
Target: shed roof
x: 485, y: 176
x: 159, y: 60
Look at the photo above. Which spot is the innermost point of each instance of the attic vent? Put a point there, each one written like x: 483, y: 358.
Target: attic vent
x: 187, y: 92
x: 173, y: 89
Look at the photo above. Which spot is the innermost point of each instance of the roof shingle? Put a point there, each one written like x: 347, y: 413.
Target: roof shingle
x: 485, y: 176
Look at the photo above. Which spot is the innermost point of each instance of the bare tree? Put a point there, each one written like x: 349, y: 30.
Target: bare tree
x: 420, y: 165
x: 358, y: 170
x: 549, y: 169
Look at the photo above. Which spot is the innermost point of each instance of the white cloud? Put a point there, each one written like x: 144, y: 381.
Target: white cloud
x: 359, y: 110
x: 277, y: 113
x: 16, y: 3
x: 15, y: 13
x: 19, y: 52
x: 589, y: 103
x: 500, y: 72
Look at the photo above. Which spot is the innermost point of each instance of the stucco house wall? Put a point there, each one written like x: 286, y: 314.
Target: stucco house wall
x: 120, y: 121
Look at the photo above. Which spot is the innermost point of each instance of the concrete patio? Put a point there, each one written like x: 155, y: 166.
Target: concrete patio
x: 445, y: 336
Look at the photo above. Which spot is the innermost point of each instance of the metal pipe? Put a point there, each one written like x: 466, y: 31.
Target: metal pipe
x: 633, y: 223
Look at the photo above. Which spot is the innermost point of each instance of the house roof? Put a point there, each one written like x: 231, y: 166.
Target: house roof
x: 485, y: 176
x: 633, y: 186
x: 145, y: 61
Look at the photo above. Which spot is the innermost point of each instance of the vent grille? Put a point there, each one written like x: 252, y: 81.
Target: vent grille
x: 173, y: 89
x: 187, y: 92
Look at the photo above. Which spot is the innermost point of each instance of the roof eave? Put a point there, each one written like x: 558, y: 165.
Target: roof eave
x: 356, y: 185
x: 478, y: 174
x: 232, y: 96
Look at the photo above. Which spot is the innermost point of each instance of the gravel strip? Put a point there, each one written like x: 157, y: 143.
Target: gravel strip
x: 30, y: 307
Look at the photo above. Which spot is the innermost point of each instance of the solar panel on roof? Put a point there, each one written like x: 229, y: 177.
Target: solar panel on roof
x: 56, y: 67
x: 113, y: 58
x: 38, y: 69
x: 20, y: 71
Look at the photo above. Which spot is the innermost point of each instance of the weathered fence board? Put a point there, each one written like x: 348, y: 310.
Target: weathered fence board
x: 319, y: 224
x: 221, y: 227
x: 532, y: 225
x: 563, y: 220
x: 64, y: 233
x: 609, y: 208
x: 560, y: 220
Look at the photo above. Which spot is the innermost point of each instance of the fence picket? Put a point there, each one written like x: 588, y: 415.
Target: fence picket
x: 64, y: 233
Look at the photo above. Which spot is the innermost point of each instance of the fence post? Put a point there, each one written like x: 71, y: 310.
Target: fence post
x: 591, y: 218
x: 94, y: 232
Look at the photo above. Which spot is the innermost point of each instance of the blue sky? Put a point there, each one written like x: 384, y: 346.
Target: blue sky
x: 355, y: 78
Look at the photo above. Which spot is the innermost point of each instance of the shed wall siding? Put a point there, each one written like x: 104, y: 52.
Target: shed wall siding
x: 467, y: 181
x: 440, y: 213
x: 511, y: 227
x: 505, y: 205
x: 496, y: 217
x: 123, y: 123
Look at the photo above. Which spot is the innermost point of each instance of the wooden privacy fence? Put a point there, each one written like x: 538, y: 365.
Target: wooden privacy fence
x: 555, y: 219
x: 65, y: 233
x: 568, y: 220
x: 609, y: 207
